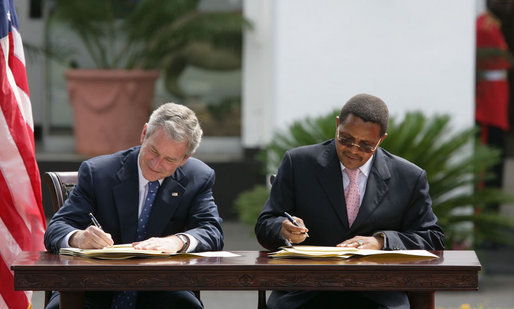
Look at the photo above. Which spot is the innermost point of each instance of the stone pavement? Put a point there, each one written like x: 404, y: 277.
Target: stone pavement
x: 496, y: 285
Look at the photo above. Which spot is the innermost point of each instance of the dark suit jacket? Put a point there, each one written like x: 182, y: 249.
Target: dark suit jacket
x: 309, y: 185
x: 108, y: 187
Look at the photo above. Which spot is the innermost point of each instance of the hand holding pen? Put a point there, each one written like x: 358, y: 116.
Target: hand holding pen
x: 92, y: 237
x: 293, y: 221
x: 293, y: 234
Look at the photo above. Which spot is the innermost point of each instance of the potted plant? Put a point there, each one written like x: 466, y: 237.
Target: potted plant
x: 130, y: 43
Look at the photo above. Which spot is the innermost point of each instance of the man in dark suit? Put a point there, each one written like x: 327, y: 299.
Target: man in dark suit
x: 349, y: 192
x: 181, y: 214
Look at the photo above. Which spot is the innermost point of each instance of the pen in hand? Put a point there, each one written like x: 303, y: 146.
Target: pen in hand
x: 106, y: 237
x: 95, y: 222
x: 293, y: 221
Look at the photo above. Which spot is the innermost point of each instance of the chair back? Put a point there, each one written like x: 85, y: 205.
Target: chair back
x: 60, y: 185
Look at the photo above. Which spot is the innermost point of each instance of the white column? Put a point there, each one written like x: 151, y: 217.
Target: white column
x: 257, y: 74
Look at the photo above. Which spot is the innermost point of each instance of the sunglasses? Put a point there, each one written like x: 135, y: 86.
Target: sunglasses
x: 363, y: 147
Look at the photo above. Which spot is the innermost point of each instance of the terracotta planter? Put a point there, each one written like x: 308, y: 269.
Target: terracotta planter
x: 110, y: 108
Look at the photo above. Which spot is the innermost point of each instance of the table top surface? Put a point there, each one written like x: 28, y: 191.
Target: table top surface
x: 250, y: 270
x: 448, y: 259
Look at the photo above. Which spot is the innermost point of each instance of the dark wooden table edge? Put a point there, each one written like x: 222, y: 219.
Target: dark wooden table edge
x: 423, y: 296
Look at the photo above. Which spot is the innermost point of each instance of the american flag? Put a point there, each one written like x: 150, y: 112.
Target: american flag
x: 22, y: 220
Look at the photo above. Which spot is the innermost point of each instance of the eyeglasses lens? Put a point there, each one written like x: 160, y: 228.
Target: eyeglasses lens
x: 361, y: 147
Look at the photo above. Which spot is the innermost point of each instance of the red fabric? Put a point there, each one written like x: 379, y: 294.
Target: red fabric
x: 22, y: 220
x: 492, y: 97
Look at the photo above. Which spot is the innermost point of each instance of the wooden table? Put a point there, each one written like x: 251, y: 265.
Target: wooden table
x: 455, y: 270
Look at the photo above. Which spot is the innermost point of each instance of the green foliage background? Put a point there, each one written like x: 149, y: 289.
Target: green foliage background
x: 453, y: 159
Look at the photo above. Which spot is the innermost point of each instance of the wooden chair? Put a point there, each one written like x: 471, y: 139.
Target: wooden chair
x: 60, y: 185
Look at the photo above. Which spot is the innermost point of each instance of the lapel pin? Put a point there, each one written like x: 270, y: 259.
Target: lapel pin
x: 174, y: 194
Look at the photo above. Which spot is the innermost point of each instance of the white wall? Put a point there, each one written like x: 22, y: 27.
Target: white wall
x: 32, y: 31
x: 307, y: 57
x: 257, y: 70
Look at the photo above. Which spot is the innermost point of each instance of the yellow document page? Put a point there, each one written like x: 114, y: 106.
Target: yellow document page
x: 342, y: 252
x: 126, y: 251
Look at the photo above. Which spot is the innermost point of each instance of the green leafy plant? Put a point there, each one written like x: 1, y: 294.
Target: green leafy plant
x: 154, y: 34
x: 249, y: 204
x: 455, y: 164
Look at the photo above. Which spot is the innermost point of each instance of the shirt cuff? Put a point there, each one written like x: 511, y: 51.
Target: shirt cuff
x: 193, y: 243
x: 65, y: 242
x: 287, y: 243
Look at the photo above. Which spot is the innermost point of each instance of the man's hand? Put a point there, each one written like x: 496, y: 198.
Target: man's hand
x: 91, y: 238
x: 170, y: 244
x: 295, y: 234
x: 364, y: 242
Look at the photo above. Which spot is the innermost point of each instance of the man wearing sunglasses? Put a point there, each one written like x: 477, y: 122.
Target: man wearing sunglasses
x: 349, y: 192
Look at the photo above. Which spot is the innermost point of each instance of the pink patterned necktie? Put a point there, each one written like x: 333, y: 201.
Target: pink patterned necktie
x: 352, y: 195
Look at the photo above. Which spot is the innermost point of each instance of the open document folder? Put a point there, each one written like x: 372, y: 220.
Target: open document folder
x: 342, y: 252
x: 126, y: 251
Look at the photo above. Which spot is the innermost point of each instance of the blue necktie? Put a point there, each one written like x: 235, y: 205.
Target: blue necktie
x: 142, y: 221
x: 127, y: 299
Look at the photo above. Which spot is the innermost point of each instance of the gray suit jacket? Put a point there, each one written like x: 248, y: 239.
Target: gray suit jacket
x: 108, y: 187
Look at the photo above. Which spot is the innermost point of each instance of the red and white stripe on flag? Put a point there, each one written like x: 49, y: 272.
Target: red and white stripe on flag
x: 22, y: 220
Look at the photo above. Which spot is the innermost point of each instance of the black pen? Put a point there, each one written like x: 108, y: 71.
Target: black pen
x: 293, y: 221
x: 95, y: 222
